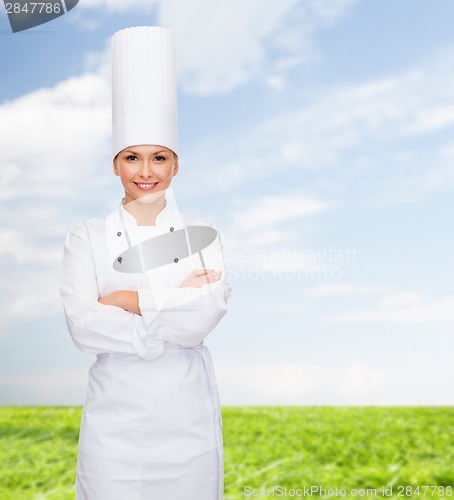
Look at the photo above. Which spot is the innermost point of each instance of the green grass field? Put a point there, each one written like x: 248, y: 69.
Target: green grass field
x: 265, y: 447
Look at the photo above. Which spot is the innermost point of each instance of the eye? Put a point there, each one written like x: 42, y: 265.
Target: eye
x: 131, y: 157
x: 160, y: 158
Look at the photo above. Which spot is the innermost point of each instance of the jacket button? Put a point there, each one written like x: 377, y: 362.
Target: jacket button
x: 119, y: 233
x: 175, y: 259
x: 171, y: 229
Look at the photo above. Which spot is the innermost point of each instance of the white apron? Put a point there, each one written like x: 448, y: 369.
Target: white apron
x: 151, y: 427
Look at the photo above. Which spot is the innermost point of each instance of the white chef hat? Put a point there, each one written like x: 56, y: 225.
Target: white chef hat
x: 144, y: 96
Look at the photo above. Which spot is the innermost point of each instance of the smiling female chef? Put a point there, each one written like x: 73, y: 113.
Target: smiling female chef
x: 151, y: 425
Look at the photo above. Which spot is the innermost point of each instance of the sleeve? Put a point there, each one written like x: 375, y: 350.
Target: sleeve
x: 185, y: 316
x: 95, y: 327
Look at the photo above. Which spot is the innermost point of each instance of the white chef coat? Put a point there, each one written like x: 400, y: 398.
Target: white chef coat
x: 151, y: 427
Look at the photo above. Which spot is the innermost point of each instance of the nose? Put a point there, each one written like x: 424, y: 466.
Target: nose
x: 146, y: 169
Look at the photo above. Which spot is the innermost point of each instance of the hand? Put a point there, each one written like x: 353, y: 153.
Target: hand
x: 126, y: 299
x: 200, y: 277
x: 110, y: 300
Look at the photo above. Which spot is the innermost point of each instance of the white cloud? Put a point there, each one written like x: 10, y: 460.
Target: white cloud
x: 116, y: 5
x: 57, y: 138
x: 222, y: 45
x: 51, y: 133
x: 411, y: 310
x: 343, y: 289
x: 330, y: 10
x: 276, y: 82
x: 32, y: 293
x: 362, y: 142
x: 58, y: 146
x: 401, y: 299
x: 275, y: 209
x: 57, y: 386
x: 264, y: 237
x: 353, y: 383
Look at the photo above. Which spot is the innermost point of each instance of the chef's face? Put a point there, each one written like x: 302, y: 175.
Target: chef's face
x: 145, y: 171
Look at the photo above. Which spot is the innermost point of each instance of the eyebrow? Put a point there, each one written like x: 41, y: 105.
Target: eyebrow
x: 130, y: 151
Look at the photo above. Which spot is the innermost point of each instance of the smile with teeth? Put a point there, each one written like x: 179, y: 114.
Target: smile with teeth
x: 145, y: 186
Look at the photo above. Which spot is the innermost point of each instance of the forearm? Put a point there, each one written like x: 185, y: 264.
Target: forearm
x: 129, y: 300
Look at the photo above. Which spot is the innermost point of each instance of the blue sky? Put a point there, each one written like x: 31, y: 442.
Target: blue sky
x: 318, y: 135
